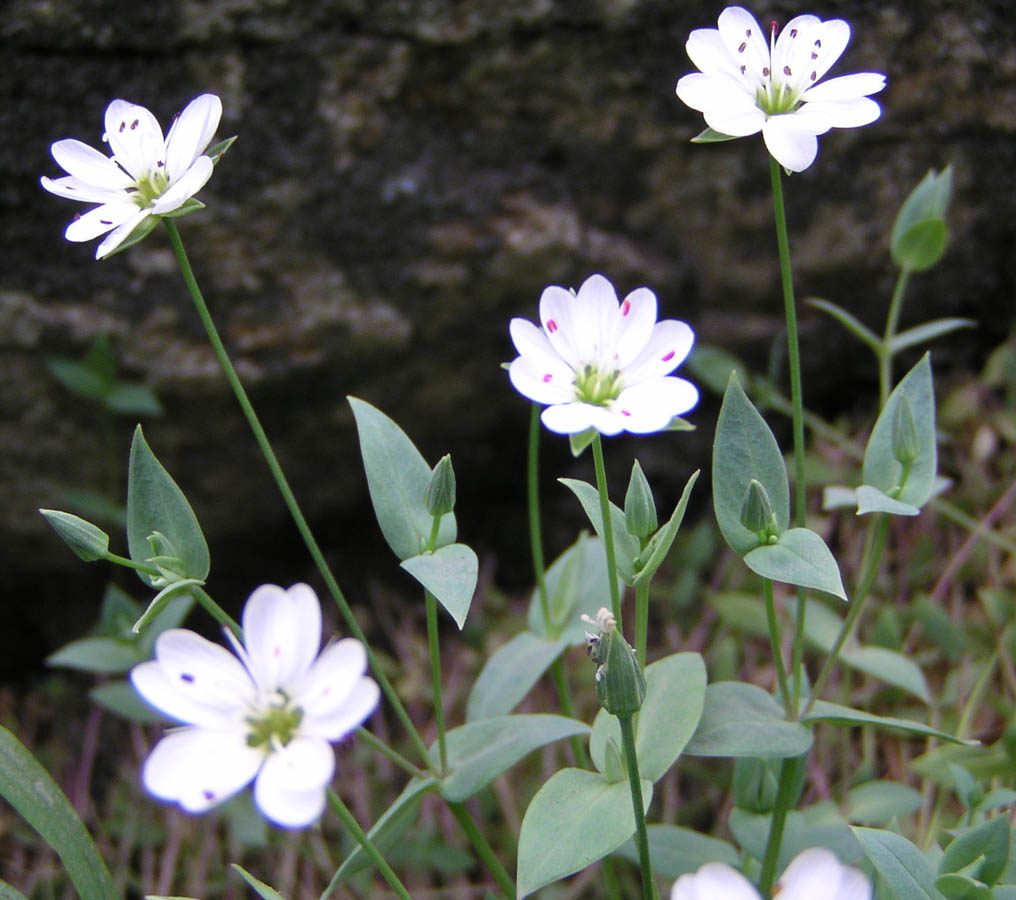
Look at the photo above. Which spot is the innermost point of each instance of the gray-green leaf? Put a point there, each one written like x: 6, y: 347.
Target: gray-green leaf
x: 800, y: 557
x: 450, y: 574
x: 509, y: 674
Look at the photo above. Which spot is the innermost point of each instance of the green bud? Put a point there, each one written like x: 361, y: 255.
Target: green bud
x: 639, y: 506
x: 620, y: 683
x: 906, y: 443
x: 87, y: 540
x: 164, y: 558
x: 757, y: 512
x: 440, y: 495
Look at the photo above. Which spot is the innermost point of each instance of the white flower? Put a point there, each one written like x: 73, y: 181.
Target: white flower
x: 815, y: 874
x: 747, y: 84
x: 268, y: 715
x: 599, y: 364
x: 146, y: 174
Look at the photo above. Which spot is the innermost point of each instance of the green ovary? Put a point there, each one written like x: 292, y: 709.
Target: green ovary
x: 276, y: 727
x: 596, y: 387
x: 150, y: 187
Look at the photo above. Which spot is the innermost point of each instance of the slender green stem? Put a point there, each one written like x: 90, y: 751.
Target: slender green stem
x: 885, y: 359
x: 608, y: 529
x: 793, y: 350
x: 797, y: 659
x: 870, y: 570
x: 777, y: 650
x: 635, y: 783
x: 287, y: 494
x: 486, y: 852
x: 789, y: 773
x: 557, y: 673
x: 435, y: 674
x: 216, y: 611
x: 535, y: 529
x: 375, y: 743
x: 641, y: 621
x: 350, y: 822
x: 130, y: 564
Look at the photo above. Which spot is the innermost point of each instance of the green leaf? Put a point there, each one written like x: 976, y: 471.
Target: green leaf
x: 928, y: 331
x: 854, y: 325
x: 913, y: 243
x: 79, y: 377
x: 509, y: 674
x: 88, y: 541
x: 29, y: 789
x: 265, y: 891
x: 962, y: 887
x: 626, y: 545
x: 659, y: 545
x: 8, y: 892
x: 741, y: 612
x: 800, y: 557
x: 879, y: 802
x: 130, y: 399
x: 397, y: 477
x: 120, y: 698
x: 903, y: 868
x: 740, y: 719
x: 216, y: 152
x: 480, y: 751
x: 155, y: 503
x: 711, y: 136
x: 921, y: 246
x: 675, y: 694
x: 575, y: 819
x: 387, y: 831
x: 989, y: 840
x: 450, y: 574
x: 96, y: 654
x: 823, y: 711
x: 175, y: 591
x: 712, y: 367
x: 871, y: 500
x: 817, y: 826
x: 745, y: 448
x: 882, y: 470
x: 674, y: 851
x: 579, y: 441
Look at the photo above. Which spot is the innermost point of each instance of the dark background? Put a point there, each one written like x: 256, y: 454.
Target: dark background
x: 409, y: 176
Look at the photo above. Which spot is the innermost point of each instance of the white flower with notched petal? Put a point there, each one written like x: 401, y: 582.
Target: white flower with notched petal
x: 268, y: 715
x: 813, y: 874
x: 599, y: 364
x: 146, y: 175
x: 746, y: 84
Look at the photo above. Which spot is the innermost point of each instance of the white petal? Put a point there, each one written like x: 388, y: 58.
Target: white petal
x: 668, y: 347
x: 89, y: 165
x: 74, y: 188
x: 194, y: 680
x: 191, y: 132
x: 842, y: 114
x: 561, y: 320
x: 793, y: 148
x: 119, y: 234
x: 544, y: 379
x: 192, y: 181
x: 282, y: 630
x: 134, y: 137
x: 636, y: 319
x: 290, y: 789
x: 792, y: 61
x: 596, y: 320
x: 568, y: 418
x: 746, y: 42
x: 335, y: 723
x: 846, y: 87
x: 818, y: 873
x: 722, y: 102
x: 708, y: 51
x: 332, y: 677
x: 100, y: 220
x: 714, y: 881
x: 648, y: 407
x: 198, y: 768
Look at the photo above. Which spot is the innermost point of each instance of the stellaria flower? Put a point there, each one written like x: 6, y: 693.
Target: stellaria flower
x: 146, y: 174
x: 597, y: 363
x: 812, y: 874
x: 746, y: 84
x: 268, y: 715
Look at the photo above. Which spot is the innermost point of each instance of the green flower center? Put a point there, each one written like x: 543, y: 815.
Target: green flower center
x: 151, y: 186
x: 777, y: 99
x: 596, y: 387
x: 276, y: 726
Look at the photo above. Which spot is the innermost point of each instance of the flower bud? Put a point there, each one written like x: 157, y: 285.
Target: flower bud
x: 87, y: 540
x: 757, y: 512
x: 639, y: 506
x: 440, y: 494
x: 620, y: 683
x: 906, y: 443
x: 164, y: 557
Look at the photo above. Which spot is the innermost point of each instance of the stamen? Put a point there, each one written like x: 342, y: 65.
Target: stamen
x: 786, y: 71
x: 793, y: 32
x: 765, y: 71
x: 668, y: 357
x: 135, y: 124
x: 208, y: 795
x: 551, y: 326
x: 625, y: 308
x: 547, y: 378
x: 106, y: 221
x: 625, y: 412
x: 185, y: 676
x: 741, y: 49
x: 743, y: 69
x: 123, y: 125
x: 814, y: 75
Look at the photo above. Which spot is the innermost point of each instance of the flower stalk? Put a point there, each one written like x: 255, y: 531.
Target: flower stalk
x: 608, y: 528
x: 635, y: 785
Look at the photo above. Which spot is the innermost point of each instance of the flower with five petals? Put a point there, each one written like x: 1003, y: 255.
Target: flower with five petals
x: 597, y: 363
x: 746, y: 84
x: 812, y: 874
x: 268, y: 715
x: 147, y: 175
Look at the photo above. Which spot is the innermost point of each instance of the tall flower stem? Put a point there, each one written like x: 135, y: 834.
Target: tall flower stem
x: 485, y: 851
x: 789, y: 773
x: 635, y: 783
x: 608, y: 529
x: 892, y: 321
x: 435, y: 673
x: 349, y: 820
x: 216, y: 611
x: 777, y: 650
x: 283, y: 485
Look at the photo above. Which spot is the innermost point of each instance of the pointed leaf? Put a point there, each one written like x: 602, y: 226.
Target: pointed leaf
x: 155, y: 503
x: 397, y: 477
x: 849, y: 321
x: 823, y: 711
x: 661, y: 542
x: 801, y: 558
x: 450, y: 574
x: 509, y: 674
x: 879, y: 802
x: 675, y: 694
x: 580, y: 440
x: 919, y: 334
x: 817, y: 826
x: 96, y: 654
x: 903, y: 868
x: 989, y: 840
x: 674, y: 851
x: 712, y: 136
x: 912, y: 243
x: 626, y: 545
x: 480, y: 751
x: 921, y: 245
x: 740, y: 719
x: 871, y: 500
x: 575, y: 819
x: 128, y: 399
x: 120, y: 698
x: 35, y: 796
x: 745, y: 449
x: 9, y: 892
x: 264, y: 891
